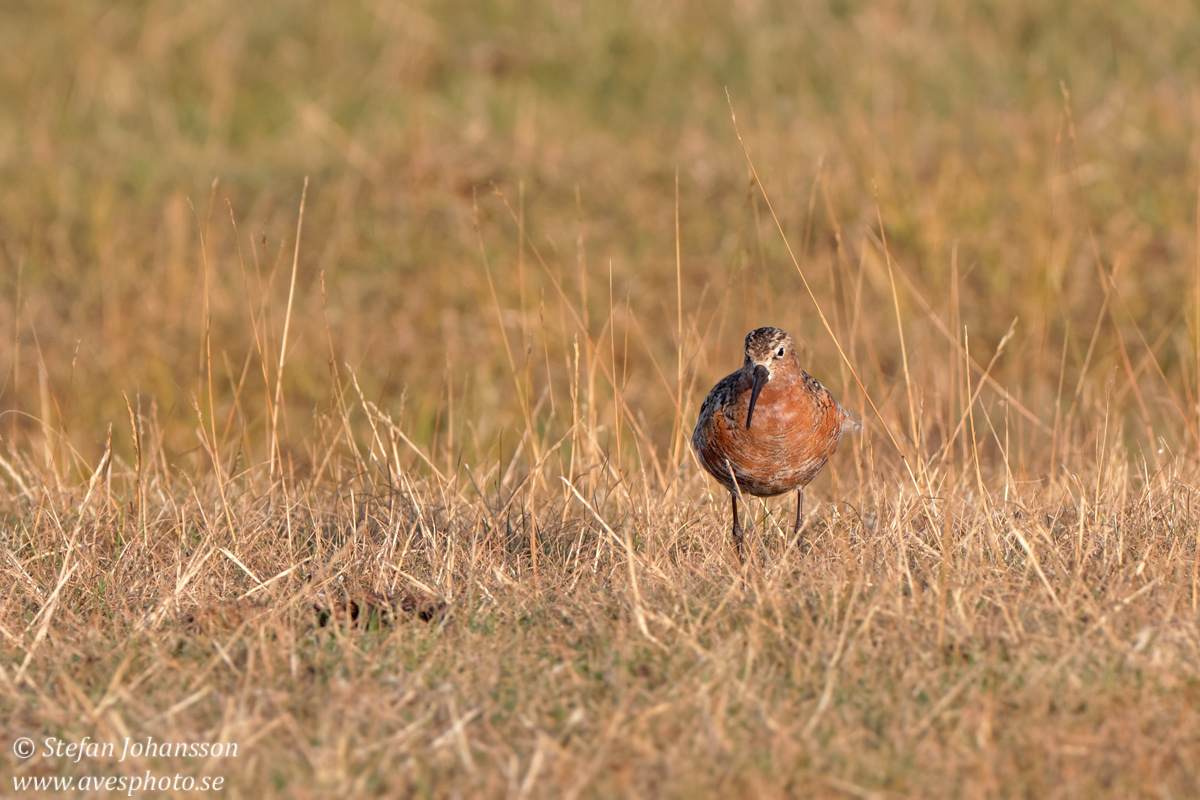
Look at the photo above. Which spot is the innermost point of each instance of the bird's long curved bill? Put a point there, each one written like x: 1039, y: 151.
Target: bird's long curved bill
x: 760, y: 379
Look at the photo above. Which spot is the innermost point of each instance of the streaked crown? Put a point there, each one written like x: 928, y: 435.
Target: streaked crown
x: 766, y: 345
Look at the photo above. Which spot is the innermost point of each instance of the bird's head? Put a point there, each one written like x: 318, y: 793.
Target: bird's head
x: 768, y: 350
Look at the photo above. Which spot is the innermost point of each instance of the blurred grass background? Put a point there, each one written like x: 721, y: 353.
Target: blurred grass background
x: 132, y: 133
x: 489, y: 250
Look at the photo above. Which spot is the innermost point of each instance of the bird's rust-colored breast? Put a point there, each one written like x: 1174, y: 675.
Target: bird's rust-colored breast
x: 796, y: 427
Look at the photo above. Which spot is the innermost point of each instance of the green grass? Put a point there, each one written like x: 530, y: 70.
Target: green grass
x: 474, y: 432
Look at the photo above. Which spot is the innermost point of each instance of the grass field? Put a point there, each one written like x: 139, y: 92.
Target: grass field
x: 349, y: 354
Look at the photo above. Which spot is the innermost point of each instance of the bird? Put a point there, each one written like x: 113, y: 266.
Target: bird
x: 769, y: 427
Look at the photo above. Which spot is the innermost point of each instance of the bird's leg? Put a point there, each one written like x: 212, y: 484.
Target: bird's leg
x: 799, y: 517
x: 737, y: 528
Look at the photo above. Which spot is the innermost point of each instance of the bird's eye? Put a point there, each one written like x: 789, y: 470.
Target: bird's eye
x: 779, y: 352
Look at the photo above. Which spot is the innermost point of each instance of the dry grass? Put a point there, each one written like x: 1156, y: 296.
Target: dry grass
x: 399, y: 499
